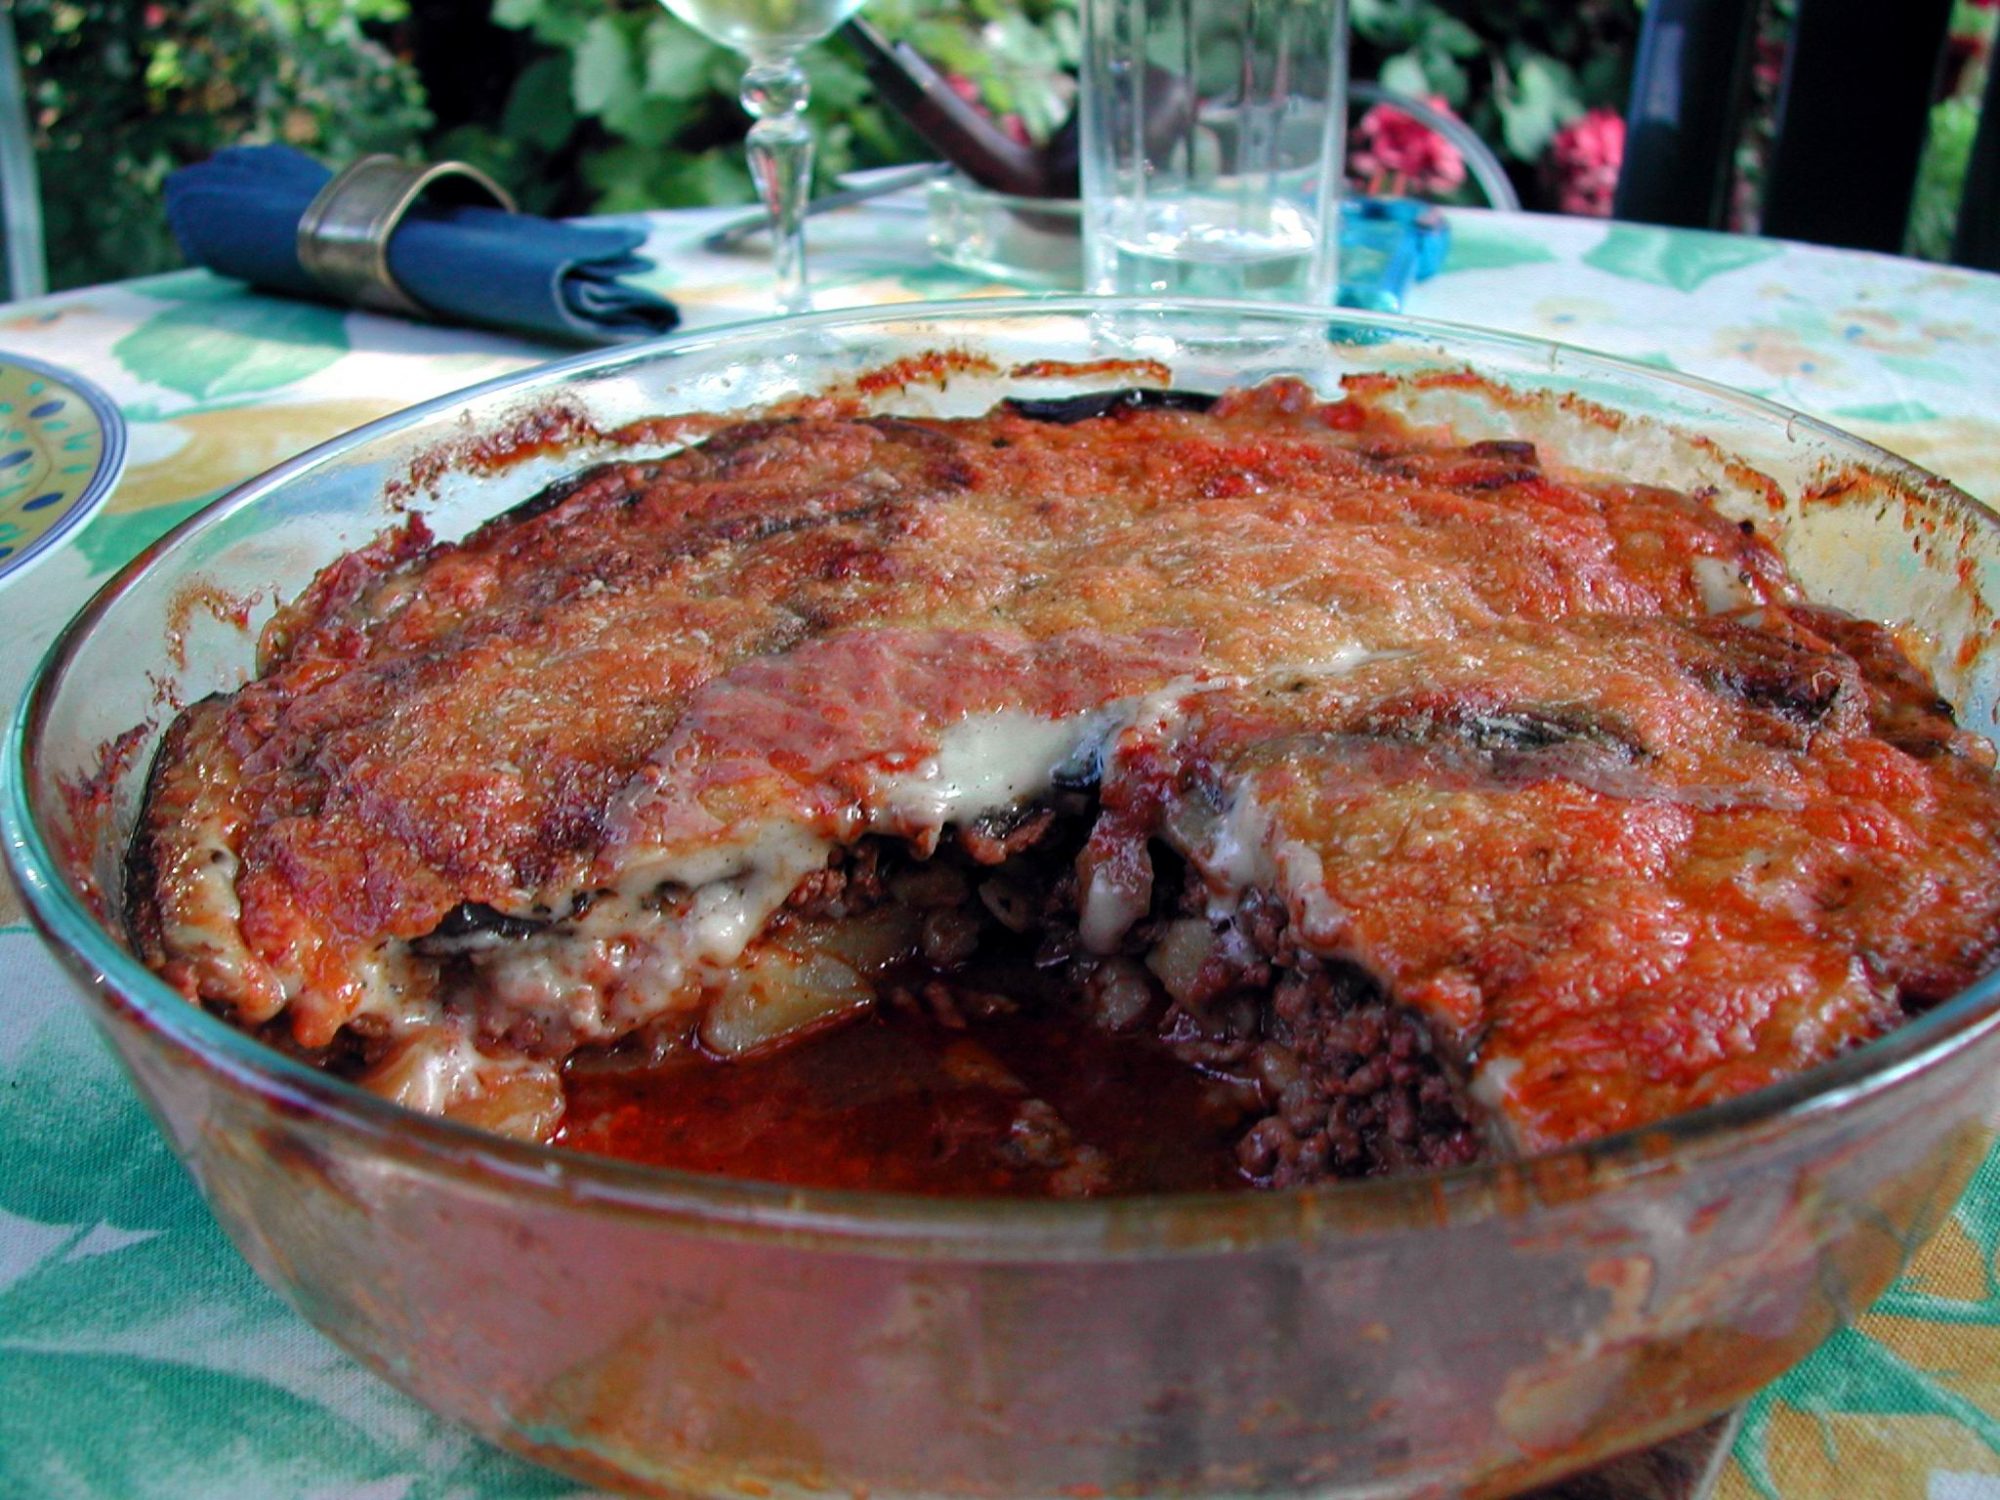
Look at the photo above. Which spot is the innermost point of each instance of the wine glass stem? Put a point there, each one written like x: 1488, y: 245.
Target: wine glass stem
x: 781, y: 148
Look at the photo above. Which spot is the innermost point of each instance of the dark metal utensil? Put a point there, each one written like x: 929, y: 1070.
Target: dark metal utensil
x: 970, y: 141
x: 953, y: 128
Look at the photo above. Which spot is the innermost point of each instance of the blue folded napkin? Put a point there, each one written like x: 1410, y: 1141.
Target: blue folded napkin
x: 238, y: 213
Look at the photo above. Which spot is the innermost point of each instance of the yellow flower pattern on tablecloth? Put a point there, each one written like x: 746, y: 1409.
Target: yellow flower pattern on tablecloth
x: 1911, y: 1389
x: 206, y: 452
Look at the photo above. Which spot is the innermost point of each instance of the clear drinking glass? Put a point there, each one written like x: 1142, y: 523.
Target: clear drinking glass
x: 772, y: 34
x: 1212, y: 139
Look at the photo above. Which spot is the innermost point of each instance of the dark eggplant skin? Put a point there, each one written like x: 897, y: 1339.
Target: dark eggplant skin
x: 1064, y: 410
x: 472, y: 924
x: 140, y: 906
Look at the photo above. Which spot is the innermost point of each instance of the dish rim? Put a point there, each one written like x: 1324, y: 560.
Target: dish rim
x: 1143, y: 1225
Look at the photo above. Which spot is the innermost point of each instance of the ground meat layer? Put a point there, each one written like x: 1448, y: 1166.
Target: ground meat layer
x: 1001, y: 1057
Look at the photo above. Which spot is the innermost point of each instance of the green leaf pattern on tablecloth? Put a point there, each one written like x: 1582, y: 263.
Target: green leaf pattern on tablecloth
x: 174, y: 1432
x: 1919, y: 367
x: 1479, y: 246
x: 140, y: 1357
x: 212, y: 347
x: 1886, y: 411
x: 1852, y: 1374
x: 1857, y: 1374
x: 109, y: 541
x: 1682, y: 259
x: 185, y: 286
x: 138, y: 1354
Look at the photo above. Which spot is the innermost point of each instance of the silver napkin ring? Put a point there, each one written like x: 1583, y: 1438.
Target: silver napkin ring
x: 343, y: 239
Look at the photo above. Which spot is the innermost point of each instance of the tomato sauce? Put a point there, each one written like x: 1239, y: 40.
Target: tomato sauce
x: 895, y: 1101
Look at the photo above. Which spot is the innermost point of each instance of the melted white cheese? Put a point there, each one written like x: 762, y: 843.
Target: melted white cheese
x: 986, y: 764
x: 1492, y: 1081
x: 674, y: 925
x: 1335, y: 663
x: 1318, y: 918
x: 1722, y: 585
x: 1238, y: 857
x: 440, y: 1068
x: 440, y: 1071
x: 202, y: 918
x: 1106, y: 913
x: 734, y: 898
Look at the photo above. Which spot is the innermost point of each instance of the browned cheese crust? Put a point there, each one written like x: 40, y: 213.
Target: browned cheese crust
x: 1564, y: 769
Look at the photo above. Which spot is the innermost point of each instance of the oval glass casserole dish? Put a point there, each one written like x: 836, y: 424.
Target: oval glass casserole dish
x: 1479, y: 1328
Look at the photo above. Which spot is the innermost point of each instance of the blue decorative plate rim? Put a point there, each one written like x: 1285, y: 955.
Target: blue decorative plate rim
x: 110, y: 464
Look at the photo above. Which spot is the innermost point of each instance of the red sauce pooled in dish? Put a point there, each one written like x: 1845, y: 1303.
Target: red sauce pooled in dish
x: 893, y: 1102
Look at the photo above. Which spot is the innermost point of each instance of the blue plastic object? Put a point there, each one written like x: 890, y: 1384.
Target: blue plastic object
x: 1387, y: 245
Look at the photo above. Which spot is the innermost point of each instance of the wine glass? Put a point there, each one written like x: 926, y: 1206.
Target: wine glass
x: 772, y: 34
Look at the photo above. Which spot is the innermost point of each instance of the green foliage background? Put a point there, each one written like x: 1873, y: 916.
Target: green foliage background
x: 606, y: 106
x: 1517, y: 70
x: 644, y: 108
x: 119, y: 94
x: 1954, y: 121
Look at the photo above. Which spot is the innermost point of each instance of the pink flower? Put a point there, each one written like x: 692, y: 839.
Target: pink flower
x: 1963, y: 52
x: 1391, y: 152
x: 1583, y: 160
x: 1767, y: 64
x: 1014, y: 127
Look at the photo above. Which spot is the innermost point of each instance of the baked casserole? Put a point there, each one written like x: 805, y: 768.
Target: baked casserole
x: 1396, y: 800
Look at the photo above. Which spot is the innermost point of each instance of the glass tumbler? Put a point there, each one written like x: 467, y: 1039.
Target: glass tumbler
x: 1212, y: 136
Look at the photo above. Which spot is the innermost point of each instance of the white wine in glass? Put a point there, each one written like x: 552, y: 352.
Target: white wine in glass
x: 772, y: 34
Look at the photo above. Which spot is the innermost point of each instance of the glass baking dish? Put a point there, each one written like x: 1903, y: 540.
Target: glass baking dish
x: 1476, y: 1332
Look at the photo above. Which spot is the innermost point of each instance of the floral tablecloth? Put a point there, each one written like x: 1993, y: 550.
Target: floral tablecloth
x: 138, y: 1355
